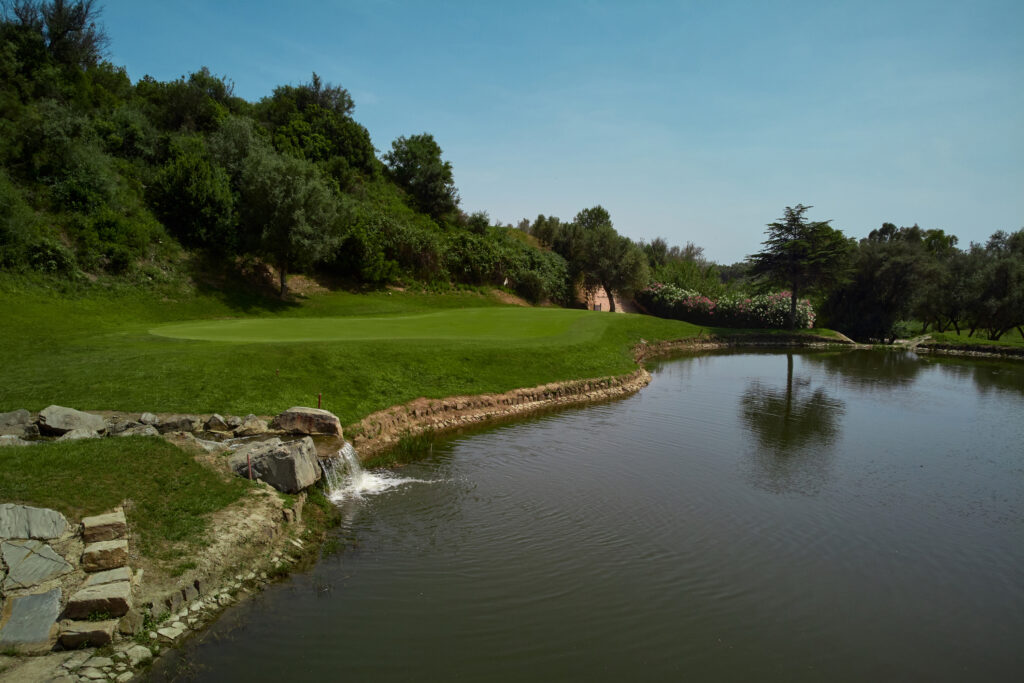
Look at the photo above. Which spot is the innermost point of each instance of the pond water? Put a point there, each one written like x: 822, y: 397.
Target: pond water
x: 772, y: 516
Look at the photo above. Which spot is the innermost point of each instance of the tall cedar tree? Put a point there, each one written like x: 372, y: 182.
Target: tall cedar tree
x: 801, y: 255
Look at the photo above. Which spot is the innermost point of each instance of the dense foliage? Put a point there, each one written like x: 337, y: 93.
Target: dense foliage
x: 902, y: 274
x: 102, y: 176
x: 764, y: 311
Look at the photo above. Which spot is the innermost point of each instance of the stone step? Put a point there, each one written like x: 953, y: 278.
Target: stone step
x: 104, y: 555
x: 106, y: 527
x: 75, y: 634
x: 110, y: 599
x: 109, y: 576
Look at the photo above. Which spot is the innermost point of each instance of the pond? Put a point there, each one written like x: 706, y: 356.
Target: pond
x: 809, y: 516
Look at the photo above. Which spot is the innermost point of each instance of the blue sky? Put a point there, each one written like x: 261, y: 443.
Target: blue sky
x: 695, y: 121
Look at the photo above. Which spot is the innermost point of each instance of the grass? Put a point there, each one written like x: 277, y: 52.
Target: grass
x: 94, y: 349
x: 169, y: 493
x: 1011, y: 338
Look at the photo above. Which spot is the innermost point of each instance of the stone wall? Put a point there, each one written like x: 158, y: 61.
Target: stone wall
x: 381, y: 430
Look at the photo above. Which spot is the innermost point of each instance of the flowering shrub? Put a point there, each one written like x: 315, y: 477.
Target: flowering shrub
x: 731, y: 310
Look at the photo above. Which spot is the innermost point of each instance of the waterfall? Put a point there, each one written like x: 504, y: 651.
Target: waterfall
x: 346, y: 478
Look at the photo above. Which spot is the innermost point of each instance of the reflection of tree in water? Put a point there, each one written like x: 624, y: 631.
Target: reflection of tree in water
x: 794, y: 426
x: 987, y: 375
x: 866, y: 369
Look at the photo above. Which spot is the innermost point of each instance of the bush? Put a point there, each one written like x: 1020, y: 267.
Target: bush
x: 50, y: 256
x: 765, y: 311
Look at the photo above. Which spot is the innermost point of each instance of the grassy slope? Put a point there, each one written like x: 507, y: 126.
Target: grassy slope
x: 170, y: 492
x: 95, y: 351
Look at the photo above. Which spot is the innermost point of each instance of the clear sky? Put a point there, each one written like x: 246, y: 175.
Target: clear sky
x: 693, y: 120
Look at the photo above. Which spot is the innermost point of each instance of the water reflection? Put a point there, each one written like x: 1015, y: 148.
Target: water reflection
x: 794, y: 426
x: 987, y: 376
x: 869, y: 369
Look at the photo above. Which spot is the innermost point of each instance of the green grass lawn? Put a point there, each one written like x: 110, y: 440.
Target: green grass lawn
x: 129, y: 349
x: 1011, y: 338
x: 511, y: 324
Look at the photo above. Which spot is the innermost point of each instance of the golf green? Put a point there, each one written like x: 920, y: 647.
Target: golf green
x: 465, y: 323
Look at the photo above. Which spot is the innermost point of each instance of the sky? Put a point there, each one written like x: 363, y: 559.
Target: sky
x: 696, y: 121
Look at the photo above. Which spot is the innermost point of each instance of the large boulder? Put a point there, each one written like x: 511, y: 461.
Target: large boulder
x: 289, y: 467
x: 15, y: 422
x: 58, y: 420
x: 299, y: 420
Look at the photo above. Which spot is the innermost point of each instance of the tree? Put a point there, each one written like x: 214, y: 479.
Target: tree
x: 605, y: 258
x: 193, y: 198
x: 415, y: 163
x: 288, y: 211
x: 801, y: 255
x: 72, y: 35
x: 889, y: 270
x: 996, y: 288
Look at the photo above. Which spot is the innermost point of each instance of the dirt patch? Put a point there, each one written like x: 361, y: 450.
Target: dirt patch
x: 509, y: 298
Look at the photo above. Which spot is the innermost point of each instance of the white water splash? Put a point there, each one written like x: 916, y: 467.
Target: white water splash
x: 346, y: 479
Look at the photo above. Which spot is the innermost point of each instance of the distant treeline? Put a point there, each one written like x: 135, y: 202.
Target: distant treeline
x: 103, y: 177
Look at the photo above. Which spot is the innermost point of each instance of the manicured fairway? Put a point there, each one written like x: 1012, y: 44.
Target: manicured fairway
x: 513, y: 323
x: 189, y: 352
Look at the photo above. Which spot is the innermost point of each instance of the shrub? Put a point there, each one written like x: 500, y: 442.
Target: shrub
x: 731, y: 310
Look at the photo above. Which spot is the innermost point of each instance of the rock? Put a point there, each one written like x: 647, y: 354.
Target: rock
x: 149, y: 419
x: 288, y: 467
x: 299, y: 420
x: 251, y: 426
x: 104, y: 527
x: 173, y: 601
x: 92, y: 673
x: 216, y: 423
x: 109, y: 576
x: 111, y: 599
x: 189, y: 593
x: 105, y: 555
x: 131, y: 623
x: 116, y: 425
x: 138, y: 654
x: 205, y: 445
x: 99, y: 662
x: 58, y: 420
x: 15, y: 422
x: 234, y: 421
x: 76, y: 660
x: 10, y: 440
x: 171, y: 633
x: 76, y: 434
x: 178, y: 423
x: 32, y: 624
x: 30, y: 563
x: 125, y: 677
x: 23, y: 521
x: 141, y: 430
